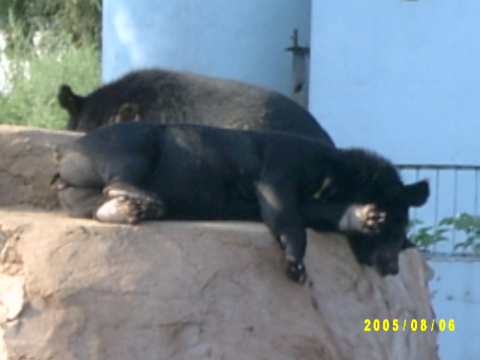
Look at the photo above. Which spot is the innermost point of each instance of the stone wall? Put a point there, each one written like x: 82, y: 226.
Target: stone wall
x: 75, y: 289
x: 28, y: 160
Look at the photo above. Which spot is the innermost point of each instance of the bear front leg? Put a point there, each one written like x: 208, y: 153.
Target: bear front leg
x: 279, y: 212
x: 295, y: 241
x: 127, y: 204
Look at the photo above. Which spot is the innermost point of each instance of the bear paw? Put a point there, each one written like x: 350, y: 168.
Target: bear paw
x: 366, y: 218
x: 128, y: 210
x: 296, y: 272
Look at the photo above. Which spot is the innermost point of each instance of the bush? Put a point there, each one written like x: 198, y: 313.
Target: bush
x: 49, y: 47
x: 466, y: 225
x: 77, y: 20
x: 32, y: 100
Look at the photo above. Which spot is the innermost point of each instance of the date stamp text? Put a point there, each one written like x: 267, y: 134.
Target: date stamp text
x: 409, y: 325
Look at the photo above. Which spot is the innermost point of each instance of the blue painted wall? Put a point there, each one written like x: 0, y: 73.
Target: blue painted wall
x: 401, y: 77
x: 243, y: 40
x: 456, y: 296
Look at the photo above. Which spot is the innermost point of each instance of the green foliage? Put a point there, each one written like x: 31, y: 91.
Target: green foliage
x: 467, y: 225
x: 50, y: 42
x: 426, y: 236
x: 470, y: 226
x: 79, y: 19
x: 33, y: 99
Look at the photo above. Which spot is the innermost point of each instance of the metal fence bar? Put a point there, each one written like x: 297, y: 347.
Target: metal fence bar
x: 436, y: 205
x: 475, y: 197
x: 451, y: 195
x: 455, y: 202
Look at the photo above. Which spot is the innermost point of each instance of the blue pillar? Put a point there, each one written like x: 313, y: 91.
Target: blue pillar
x: 243, y: 40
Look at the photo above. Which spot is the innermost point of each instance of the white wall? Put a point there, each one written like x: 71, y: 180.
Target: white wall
x: 401, y: 77
x: 243, y: 40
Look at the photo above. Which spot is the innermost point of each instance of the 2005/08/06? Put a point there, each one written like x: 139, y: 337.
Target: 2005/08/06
x: 413, y: 324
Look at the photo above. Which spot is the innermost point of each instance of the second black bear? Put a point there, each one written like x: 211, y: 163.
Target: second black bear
x: 173, y: 97
x: 137, y: 171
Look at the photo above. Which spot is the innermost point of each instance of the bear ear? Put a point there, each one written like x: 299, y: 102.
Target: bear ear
x: 70, y: 101
x: 416, y: 194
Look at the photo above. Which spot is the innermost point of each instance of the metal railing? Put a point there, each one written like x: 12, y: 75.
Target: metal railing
x: 454, y: 191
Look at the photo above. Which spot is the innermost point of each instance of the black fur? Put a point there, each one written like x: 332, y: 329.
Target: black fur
x: 170, y: 97
x: 196, y: 172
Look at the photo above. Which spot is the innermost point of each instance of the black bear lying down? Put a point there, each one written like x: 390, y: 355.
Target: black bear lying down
x: 173, y: 97
x: 137, y: 171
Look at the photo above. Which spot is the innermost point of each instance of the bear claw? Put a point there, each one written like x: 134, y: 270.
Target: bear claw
x: 125, y: 206
x: 296, y: 272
